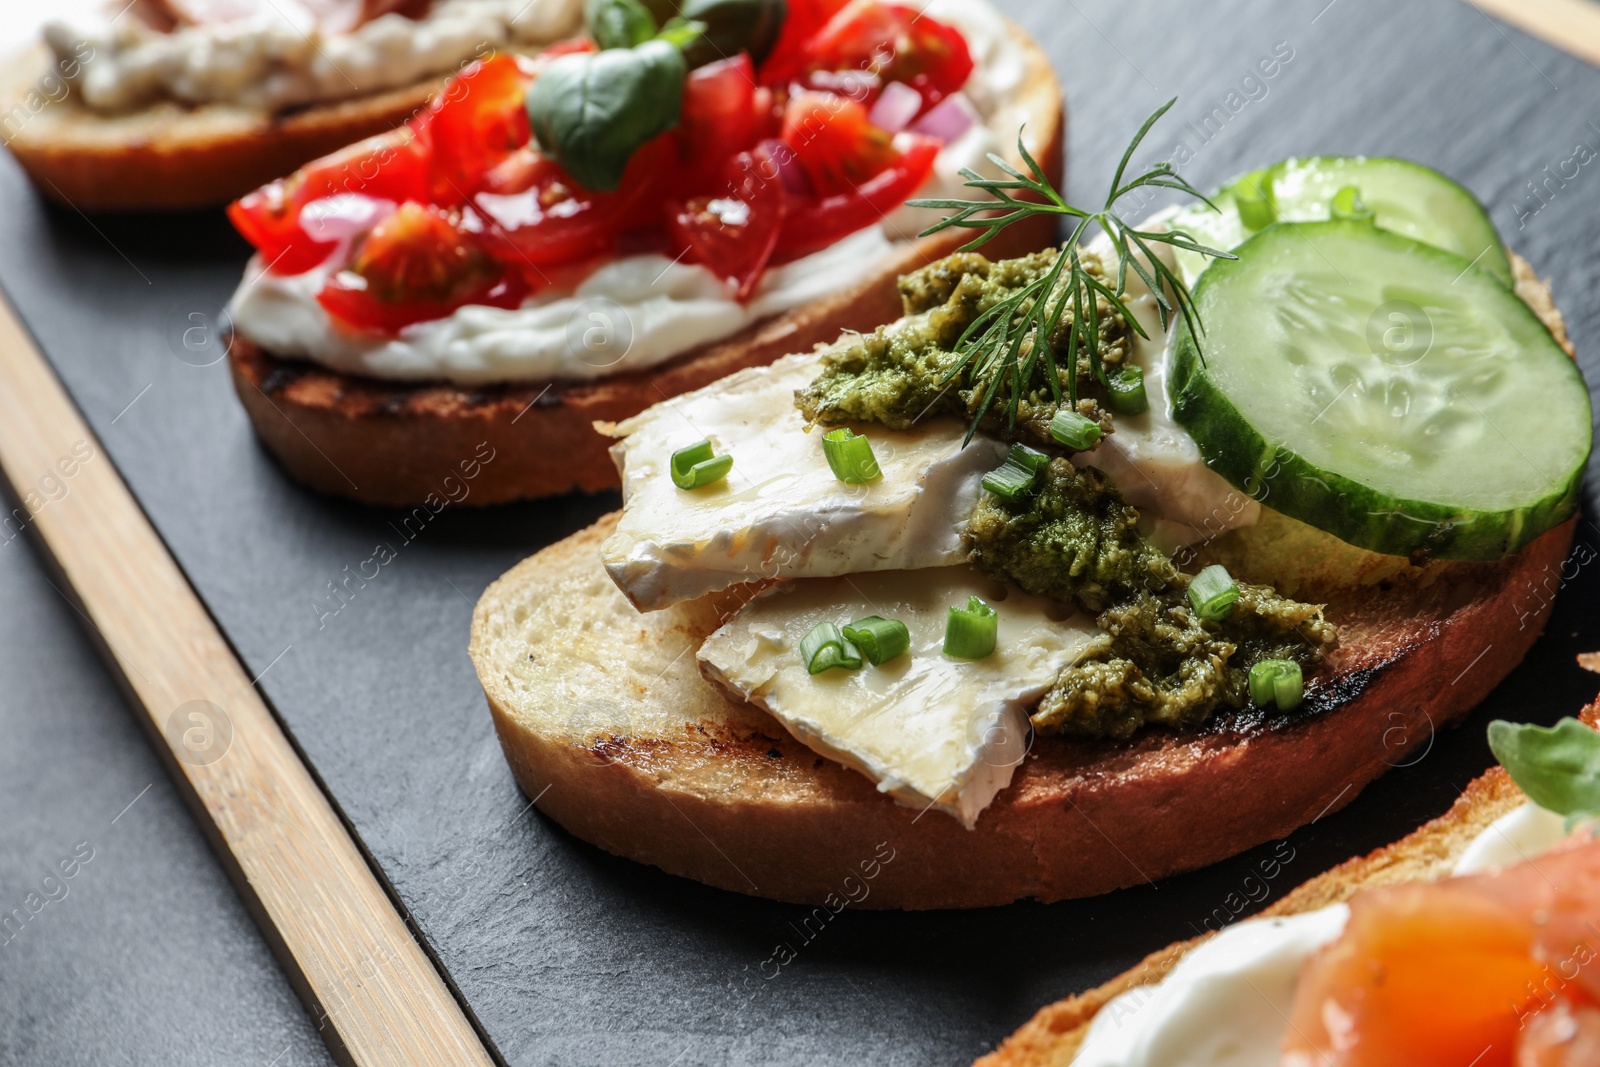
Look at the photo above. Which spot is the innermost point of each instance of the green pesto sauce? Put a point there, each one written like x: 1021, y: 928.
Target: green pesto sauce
x: 1075, y: 539
x: 903, y: 372
x: 1156, y: 663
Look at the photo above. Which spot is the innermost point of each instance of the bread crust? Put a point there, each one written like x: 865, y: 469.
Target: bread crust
x: 168, y: 156
x: 1055, y: 1033
x: 607, y: 723
x: 392, y: 443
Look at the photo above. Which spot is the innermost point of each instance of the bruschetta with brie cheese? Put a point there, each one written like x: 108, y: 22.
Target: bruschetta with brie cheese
x: 1098, y: 565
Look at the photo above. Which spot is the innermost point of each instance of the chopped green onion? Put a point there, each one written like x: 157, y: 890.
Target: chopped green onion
x: 1347, y: 204
x: 1127, y: 391
x: 850, y: 456
x: 698, y: 465
x: 1074, y: 430
x: 1253, y: 194
x: 1212, y: 593
x: 1277, y: 681
x: 879, y: 639
x: 825, y: 648
x: 970, y: 632
x: 1018, y: 476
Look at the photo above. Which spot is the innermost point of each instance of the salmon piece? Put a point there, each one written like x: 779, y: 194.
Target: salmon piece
x: 1565, y: 1034
x: 1489, y: 970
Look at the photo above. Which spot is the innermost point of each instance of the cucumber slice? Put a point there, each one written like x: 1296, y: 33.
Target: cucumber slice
x: 1406, y: 197
x: 1383, y: 390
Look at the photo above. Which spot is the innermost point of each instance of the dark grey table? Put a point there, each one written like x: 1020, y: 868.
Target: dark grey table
x: 564, y: 954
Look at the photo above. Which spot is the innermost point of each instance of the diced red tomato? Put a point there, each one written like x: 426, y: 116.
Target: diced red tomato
x: 898, y: 44
x: 734, y: 232
x: 390, y: 166
x: 719, y: 120
x: 420, y: 263
x: 476, y: 121
x: 812, y: 225
x: 537, y: 217
x: 788, y: 57
x: 836, y: 146
x: 1457, y: 972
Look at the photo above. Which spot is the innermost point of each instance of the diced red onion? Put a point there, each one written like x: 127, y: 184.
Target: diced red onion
x: 790, y: 173
x: 948, y: 119
x: 896, y: 106
x: 336, y: 218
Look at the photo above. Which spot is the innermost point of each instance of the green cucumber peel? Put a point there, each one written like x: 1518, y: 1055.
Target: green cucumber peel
x: 1272, y: 426
x: 1407, y: 197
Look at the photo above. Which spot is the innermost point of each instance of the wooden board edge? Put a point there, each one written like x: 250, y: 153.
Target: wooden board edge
x: 1570, y: 25
x: 370, y: 987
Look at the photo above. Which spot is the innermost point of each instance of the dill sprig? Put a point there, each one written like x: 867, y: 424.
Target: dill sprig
x: 1007, y: 342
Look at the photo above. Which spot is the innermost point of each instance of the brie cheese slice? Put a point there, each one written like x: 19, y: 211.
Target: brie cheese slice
x: 932, y: 731
x: 1151, y: 458
x: 781, y: 512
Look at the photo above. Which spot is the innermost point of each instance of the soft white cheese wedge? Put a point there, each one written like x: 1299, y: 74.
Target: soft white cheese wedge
x: 781, y: 512
x: 932, y: 731
x: 1150, y: 458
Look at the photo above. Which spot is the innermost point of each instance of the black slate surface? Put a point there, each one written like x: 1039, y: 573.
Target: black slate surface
x: 567, y: 955
x: 121, y: 940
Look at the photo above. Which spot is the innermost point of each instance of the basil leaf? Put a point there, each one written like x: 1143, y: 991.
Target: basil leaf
x: 618, y: 23
x: 591, y: 111
x: 680, y: 33
x: 733, y: 26
x: 1558, y: 767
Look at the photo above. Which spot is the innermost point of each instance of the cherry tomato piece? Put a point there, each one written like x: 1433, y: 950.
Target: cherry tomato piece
x: 788, y: 57
x: 390, y: 166
x: 734, y: 233
x: 536, y: 216
x: 897, y: 44
x: 719, y: 120
x: 834, y: 143
x: 815, y: 224
x: 420, y: 263
x: 476, y: 121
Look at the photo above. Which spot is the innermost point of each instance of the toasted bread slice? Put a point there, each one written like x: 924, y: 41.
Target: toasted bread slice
x: 607, y: 722
x: 1053, y: 1036
x: 172, y: 156
x: 387, y: 442
x: 609, y: 725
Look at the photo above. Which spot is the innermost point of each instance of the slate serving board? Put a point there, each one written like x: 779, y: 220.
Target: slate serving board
x: 145, y: 954
x: 566, y: 955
